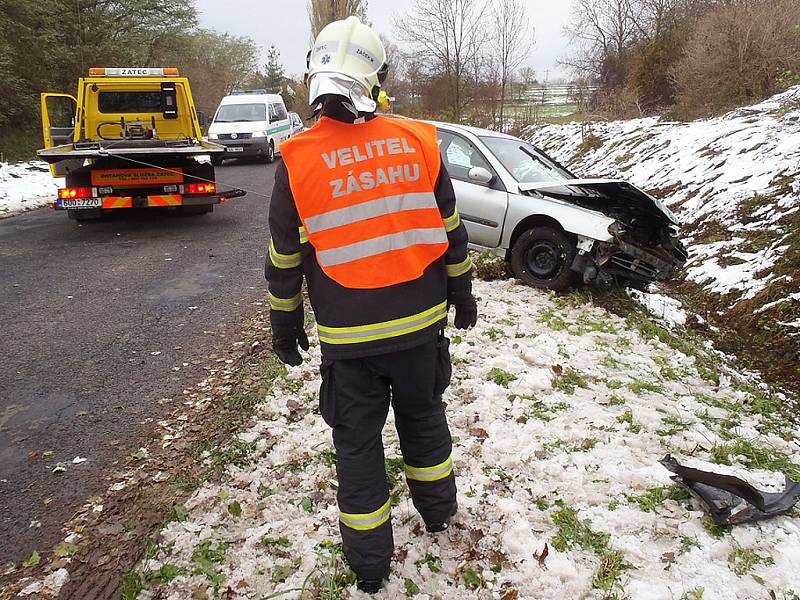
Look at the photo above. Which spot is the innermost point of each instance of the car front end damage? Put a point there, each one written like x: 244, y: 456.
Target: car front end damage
x: 643, y: 244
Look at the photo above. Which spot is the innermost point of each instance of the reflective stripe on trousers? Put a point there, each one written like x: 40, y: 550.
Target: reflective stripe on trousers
x: 283, y: 261
x: 285, y: 304
x: 381, y: 244
x: 384, y: 330
x: 367, y: 521
x: 434, y: 473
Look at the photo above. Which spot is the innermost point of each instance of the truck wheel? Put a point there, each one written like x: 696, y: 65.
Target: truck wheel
x: 271, y: 153
x: 217, y: 161
x: 542, y: 257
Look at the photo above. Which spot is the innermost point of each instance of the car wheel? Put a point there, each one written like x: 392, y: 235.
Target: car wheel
x: 271, y: 153
x: 542, y: 257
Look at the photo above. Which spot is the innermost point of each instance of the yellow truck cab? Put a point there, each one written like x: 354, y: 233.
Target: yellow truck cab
x: 131, y: 139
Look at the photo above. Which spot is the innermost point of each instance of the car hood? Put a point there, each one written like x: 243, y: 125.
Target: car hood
x: 602, y: 195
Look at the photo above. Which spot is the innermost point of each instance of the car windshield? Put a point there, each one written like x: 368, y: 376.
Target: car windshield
x: 525, y: 163
x: 238, y: 113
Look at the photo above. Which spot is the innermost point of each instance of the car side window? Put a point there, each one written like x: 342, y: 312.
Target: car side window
x: 460, y: 155
x: 280, y: 111
x: 273, y: 115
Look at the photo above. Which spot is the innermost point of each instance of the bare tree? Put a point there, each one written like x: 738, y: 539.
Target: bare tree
x: 322, y: 12
x: 513, y: 40
x: 603, y: 32
x: 449, y: 35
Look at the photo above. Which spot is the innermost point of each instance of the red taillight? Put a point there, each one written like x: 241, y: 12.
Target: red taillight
x: 70, y: 193
x: 201, y: 188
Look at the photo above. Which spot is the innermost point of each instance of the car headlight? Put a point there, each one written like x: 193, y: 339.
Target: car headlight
x: 213, y: 136
x: 259, y: 134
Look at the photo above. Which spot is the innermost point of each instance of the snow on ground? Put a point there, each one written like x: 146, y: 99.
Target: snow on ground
x: 559, y: 412
x: 25, y: 186
x: 739, y: 172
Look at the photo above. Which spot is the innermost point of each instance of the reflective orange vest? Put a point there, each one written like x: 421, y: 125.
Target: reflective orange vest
x: 365, y: 195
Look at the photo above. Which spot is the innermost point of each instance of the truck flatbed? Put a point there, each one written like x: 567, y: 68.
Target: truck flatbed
x: 128, y: 148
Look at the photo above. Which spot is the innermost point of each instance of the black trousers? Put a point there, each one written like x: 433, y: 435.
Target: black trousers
x: 354, y: 400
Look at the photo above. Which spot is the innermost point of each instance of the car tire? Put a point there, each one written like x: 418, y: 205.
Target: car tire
x: 542, y: 258
x: 270, y: 157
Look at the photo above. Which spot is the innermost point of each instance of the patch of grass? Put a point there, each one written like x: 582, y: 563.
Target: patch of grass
x: 612, y: 565
x: 633, y: 426
x: 328, y: 456
x: 614, y: 384
x: 639, y: 387
x: 687, y: 543
x: 473, y: 579
x: 331, y: 575
x: 656, y: 496
x: 615, y: 400
x: 674, y: 424
x: 206, y: 557
x: 554, y: 321
x: 236, y: 453
x: 500, y: 377
x: 584, y: 446
x: 744, y: 560
x: 754, y: 456
x: 275, y: 542
x: 541, y: 503
x: 489, y: 267
x: 543, y: 411
x: 693, y: 594
x: 590, y: 143
x: 573, y: 532
x: 714, y: 530
x: 394, y: 469
x: 433, y: 562
x: 131, y: 587
x: 493, y: 333
x: 569, y: 380
x: 166, y: 573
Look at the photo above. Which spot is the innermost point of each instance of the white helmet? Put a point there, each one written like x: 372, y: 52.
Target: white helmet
x: 348, y: 59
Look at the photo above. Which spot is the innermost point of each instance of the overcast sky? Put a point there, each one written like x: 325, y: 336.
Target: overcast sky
x: 285, y: 24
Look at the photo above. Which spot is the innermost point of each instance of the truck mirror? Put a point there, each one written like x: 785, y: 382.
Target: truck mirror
x: 201, y: 118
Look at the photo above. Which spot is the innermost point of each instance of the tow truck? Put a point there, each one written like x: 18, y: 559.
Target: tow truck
x: 132, y: 138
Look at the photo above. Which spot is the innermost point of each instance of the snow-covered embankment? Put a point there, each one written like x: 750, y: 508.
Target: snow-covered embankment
x: 25, y: 186
x: 734, y: 182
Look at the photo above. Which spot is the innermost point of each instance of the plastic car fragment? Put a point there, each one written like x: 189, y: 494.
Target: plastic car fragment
x: 731, y: 500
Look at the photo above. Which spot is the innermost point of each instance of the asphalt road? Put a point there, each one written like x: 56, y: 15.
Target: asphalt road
x: 98, y: 322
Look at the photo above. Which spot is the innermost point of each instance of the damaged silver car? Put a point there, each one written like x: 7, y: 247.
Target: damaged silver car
x: 551, y: 226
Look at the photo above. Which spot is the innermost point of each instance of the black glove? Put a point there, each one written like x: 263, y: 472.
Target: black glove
x: 466, y: 314
x: 286, y: 337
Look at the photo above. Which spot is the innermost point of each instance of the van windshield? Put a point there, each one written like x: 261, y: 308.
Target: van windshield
x: 238, y: 113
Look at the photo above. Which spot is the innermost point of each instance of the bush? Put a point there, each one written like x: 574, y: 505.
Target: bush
x: 738, y: 53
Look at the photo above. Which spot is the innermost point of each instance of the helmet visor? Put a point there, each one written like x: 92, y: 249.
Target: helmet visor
x: 322, y: 84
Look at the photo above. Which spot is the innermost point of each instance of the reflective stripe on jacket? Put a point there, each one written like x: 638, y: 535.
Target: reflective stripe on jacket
x: 365, y: 195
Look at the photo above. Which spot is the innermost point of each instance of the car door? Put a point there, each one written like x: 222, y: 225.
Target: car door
x: 482, y: 206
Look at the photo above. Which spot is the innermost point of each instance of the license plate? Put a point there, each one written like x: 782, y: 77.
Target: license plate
x: 235, y: 149
x: 81, y: 203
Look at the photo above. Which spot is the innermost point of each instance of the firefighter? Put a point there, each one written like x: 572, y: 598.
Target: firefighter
x: 364, y: 210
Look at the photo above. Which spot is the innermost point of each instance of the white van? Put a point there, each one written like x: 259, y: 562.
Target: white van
x: 250, y: 123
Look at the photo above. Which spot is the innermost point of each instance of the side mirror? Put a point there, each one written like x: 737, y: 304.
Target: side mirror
x: 201, y: 118
x: 480, y: 175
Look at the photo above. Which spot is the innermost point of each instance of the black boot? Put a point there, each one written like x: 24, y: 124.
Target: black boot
x: 439, y: 527
x: 370, y: 586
